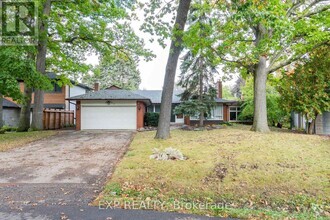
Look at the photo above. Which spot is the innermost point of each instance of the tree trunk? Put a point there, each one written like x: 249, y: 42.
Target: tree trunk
x: 163, y: 130
x: 201, y: 114
x: 260, y: 123
x: 1, y: 111
x: 37, y: 115
x: 25, y: 116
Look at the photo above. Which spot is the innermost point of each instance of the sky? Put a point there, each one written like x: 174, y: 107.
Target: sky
x: 152, y: 72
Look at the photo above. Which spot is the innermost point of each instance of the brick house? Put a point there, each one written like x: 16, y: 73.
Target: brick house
x: 115, y: 108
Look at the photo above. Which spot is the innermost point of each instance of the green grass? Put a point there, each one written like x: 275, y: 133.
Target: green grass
x: 12, y: 140
x: 274, y: 175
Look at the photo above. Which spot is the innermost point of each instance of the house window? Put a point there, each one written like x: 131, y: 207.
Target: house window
x: 56, y: 88
x: 216, y: 113
x: 234, y: 112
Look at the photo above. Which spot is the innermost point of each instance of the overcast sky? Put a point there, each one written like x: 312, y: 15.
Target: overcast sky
x: 152, y: 72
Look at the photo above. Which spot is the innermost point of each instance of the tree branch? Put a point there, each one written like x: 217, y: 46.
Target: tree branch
x: 293, y: 59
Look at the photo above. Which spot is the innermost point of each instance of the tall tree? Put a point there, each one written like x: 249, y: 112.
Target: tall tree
x: 16, y: 63
x: 1, y: 110
x: 37, y: 115
x: 306, y: 88
x: 70, y: 30
x: 121, y: 72
x: 260, y: 37
x: 163, y: 130
x: 275, y: 112
x: 198, y: 68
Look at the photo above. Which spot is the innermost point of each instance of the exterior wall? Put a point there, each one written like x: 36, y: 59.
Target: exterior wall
x: 319, y: 124
x: 326, y: 123
x: 156, y: 108
x: 11, y: 116
x: 74, y: 91
x: 225, y: 113
x: 322, y: 124
x: 53, y: 98
x: 141, y: 109
x: 78, y: 115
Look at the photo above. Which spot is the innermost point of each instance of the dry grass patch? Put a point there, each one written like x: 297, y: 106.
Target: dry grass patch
x: 17, y: 139
x: 276, y: 174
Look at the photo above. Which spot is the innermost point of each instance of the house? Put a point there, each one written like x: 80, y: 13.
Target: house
x: 115, y: 108
x: 322, y: 123
x: 54, y: 99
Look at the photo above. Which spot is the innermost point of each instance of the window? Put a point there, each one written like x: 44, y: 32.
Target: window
x: 234, y: 112
x: 56, y: 88
x: 216, y: 113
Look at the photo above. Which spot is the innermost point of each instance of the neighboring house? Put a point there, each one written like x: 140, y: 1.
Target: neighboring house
x: 322, y: 123
x: 114, y: 108
x: 54, y: 99
x: 11, y: 112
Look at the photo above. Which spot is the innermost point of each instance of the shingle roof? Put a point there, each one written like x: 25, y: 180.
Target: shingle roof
x: 109, y: 95
x: 156, y: 95
x: 52, y: 106
x: 9, y: 104
x: 218, y: 100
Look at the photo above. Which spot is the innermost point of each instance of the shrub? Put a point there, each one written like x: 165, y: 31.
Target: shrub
x: 151, y: 119
x: 9, y: 129
x: 2, y: 131
x: 167, y: 154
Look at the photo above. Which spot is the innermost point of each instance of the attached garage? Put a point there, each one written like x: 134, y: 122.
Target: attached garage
x: 110, y: 110
x: 115, y: 115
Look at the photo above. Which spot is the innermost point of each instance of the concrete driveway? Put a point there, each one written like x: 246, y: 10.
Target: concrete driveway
x: 70, y: 167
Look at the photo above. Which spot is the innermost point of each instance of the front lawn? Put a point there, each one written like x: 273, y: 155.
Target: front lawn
x: 11, y: 140
x: 229, y: 172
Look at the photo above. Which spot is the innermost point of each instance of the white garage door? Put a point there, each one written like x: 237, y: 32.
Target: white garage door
x: 326, y: 122
x: 106, y: 117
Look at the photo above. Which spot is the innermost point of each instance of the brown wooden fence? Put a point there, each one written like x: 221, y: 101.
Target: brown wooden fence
x: 58, y: 119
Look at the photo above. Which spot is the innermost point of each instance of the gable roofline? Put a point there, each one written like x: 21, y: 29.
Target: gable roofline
x: 9, y: 104
x: 111, y: 95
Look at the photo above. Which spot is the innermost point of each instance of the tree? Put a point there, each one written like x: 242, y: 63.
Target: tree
x: 69, y: 30
x: 199, y: 104
x: 306, y: 88
x: 16, y: 63
x: 1, y: 111
x: 260, y: 37
x: 121, y: 72
x: 163, y: 129
x: 198, y: 67
x: 275, y: 113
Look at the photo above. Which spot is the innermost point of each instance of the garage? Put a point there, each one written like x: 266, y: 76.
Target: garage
x: 110, y: 110
x: 108, y: 117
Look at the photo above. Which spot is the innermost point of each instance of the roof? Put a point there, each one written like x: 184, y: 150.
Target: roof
x: 52, y: 106
x: 110, y: 95
x: 9, y: 104
x: 219, y: 100
x: 156, y: 95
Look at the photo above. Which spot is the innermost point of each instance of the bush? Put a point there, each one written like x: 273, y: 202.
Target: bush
x: 2, y: 131
x: 151, y: 119
x: 9, y: 129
